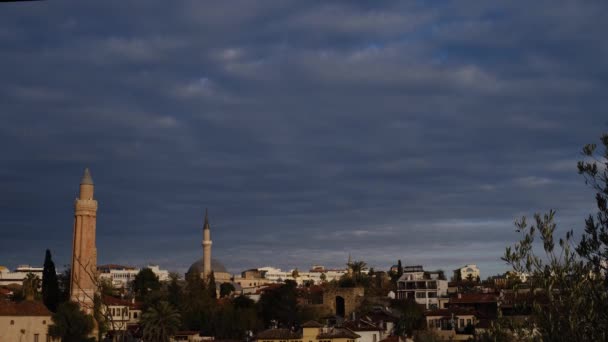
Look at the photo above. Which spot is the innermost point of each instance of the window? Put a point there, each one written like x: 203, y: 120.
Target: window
x: 36, y: 336
x: 462, y: 323
x: 469, y: 321
x: 420, y: 295
x: 43, y: 322
x: 12, y: 322
x: 374, y: 338
x: 432, y: 294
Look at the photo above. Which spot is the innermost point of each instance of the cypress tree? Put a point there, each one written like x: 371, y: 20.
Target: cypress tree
x: 50, y: 285
x: 211, y: 290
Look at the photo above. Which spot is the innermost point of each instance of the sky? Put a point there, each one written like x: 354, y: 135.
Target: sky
x: 412, y: 130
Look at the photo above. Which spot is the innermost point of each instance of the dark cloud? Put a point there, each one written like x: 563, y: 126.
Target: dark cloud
x: 411, y: 130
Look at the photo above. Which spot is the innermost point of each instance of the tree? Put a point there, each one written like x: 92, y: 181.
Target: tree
x: 570, y: 281
x: 226, y: 289
x: 279, y: 304
x: 323, y: 277
x: 70, y: 324
x: 571, y: 301
x: 160, y: 322
x: 411, y: 317
x: 31, y: 283
x: 358, y: 266
x: 50, y: 284
x: 211, y: 289
x: 145, y: 282
x: 64, y: 285
x: 594, y: 243
x: 399, y: 269
x: 295, y: 273
x: 174, y: 291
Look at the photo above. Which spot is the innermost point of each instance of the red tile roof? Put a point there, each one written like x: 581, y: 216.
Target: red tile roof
x: 109, y: 300
x: 24, y: 308
x: 449, y: 312
x: 470, y: 298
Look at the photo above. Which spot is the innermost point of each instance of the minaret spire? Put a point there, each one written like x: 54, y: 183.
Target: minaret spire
x: 206, y: 246
x: 206, y: 224
x: 86, y: 177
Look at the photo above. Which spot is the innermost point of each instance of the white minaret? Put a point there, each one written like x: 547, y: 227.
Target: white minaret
x: 206, y: 247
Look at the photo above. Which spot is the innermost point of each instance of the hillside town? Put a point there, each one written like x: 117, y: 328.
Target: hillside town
x: 356, y: 303
x: 303, y: 171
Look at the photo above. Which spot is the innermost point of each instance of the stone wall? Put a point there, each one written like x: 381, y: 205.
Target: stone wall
x: 353, y: 296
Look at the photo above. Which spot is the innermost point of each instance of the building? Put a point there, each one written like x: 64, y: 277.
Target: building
x: 311, y: 332
x: 467, y: 272
x: 121, y: 314
x: 317, y: 274
x: 369, y: 331
x: 251, y: 280
x: 485, y: 304
x: 24, y: 321
x: 84, y: 250
x: 452, y: 324
x: 121, y: 276
x: 426, y: 288
x: 190, y: 336
x: 207, y: 264
x: 16, y: 277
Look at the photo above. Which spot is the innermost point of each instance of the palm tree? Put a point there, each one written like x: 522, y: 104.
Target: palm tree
x: 31, y: 283
x: 357, y: 266
x: 160, y: 322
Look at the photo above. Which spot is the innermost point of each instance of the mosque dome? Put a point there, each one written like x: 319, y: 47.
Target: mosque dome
x: 216, y: 266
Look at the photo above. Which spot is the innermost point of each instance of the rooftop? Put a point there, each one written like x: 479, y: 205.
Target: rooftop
x: 24, y: 308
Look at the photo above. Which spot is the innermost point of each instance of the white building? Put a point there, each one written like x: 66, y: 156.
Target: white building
x: 7, y: 277
x: 120, y: 314
x: 121, y: 276
x: 424, y: 287
x: 315, y: 275
x: 466, y: 272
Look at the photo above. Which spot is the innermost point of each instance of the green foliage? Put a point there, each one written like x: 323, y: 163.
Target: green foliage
x: 31, y: 283
x: 160, y: 322
x: 411, y: 318
x: 211, y: 289
x: 196, y: 305
x: 145, y: 282
x: 357, y: 267
x: 226, y: 289
x: 70, y: 324
x: 279, y: 304
x: 594, y: 243
x: 174, y: 291
x: 50, y: 284
x: 426, y: 336
x: 64, y: 279
x: 572, y: 302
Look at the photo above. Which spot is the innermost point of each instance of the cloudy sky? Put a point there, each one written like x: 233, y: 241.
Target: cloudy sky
x: 412, y: 130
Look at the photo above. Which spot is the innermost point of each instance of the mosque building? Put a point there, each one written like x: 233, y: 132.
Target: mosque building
x: 207, y: 264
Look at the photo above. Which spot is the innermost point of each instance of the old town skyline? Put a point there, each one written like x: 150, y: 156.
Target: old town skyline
x: 411, y: 131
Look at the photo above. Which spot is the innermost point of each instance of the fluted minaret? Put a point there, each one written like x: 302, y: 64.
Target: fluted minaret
x: 206, y: 247
x: 84, y: 250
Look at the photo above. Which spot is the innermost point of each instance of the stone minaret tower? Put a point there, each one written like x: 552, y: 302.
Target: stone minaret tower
x: 84, y: 251
x: 206, y: 247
